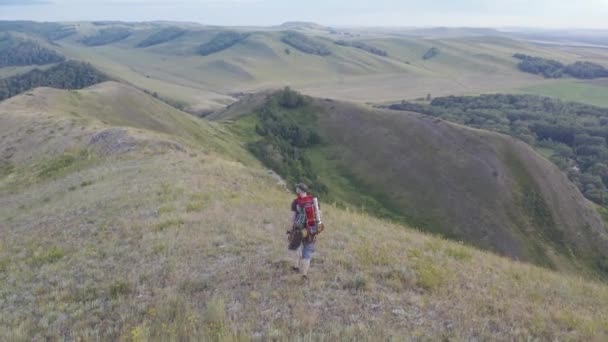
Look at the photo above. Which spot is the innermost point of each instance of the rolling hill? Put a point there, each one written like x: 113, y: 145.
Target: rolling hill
x: 471, y: 185
x: 125, y: 219
x: 470, y: 62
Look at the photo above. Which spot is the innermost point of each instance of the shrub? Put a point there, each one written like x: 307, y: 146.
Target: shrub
x: 119, y: 288
x: 432, y: 52
x: 429, y: 276
x: 359, y: 282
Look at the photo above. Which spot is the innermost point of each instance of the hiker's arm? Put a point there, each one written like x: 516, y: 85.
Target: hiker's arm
x: 292, y: 215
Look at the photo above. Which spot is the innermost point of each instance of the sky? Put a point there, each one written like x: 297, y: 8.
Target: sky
x: 377, y: 13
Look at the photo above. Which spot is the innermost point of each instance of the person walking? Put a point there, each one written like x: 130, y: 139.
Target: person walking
x: 306, y: 224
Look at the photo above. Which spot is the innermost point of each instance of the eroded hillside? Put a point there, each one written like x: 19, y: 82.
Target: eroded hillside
x: 476, y: 186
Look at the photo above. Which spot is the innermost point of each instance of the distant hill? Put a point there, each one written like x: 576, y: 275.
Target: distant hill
x: 124, y: 218
x: 386, y: 64
x: 483, y: 188
x: 302, y: 25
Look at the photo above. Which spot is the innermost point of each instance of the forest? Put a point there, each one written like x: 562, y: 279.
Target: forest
x: 66, y: 75
x: 18, y: 52
x: 575, y: 135
x: 550, y: 68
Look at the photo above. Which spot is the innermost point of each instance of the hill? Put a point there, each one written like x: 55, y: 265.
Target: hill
x: 471, y: 61
x: 483, y: 188
x: 123, y: 218
x: 128, y: 219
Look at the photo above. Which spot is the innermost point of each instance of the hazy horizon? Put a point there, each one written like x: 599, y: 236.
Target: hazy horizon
x: 588, y: 14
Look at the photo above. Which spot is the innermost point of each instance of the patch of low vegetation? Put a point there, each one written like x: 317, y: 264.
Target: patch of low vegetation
x: 432, y: 52
x: 19, y: 52
x: 173, y: 222
x: 576, y: 134
x: 107, y: 36
x: 66, y: 75
x: 119, y: 288
x: 459, y: 253
x: 6, y: 167
x: 360, y: 282
x: 429, y: 275
x: 41, y: 256
x: 363, y: 46
x: 222, y: 41
x: 550, y: 68
x: 305, y: 44
x: 62, y: 163
x: 162, y: 36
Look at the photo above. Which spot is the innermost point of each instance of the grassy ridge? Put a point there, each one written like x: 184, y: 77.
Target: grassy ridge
x: 572, y: 90
x: 159, y: 243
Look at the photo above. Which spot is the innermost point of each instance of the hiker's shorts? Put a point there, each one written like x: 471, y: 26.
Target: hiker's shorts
x: 308, y: 248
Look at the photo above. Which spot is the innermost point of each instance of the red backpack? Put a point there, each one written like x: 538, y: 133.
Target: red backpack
x: 314, y: 226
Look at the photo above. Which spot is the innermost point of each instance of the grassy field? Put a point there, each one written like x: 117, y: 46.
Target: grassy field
x: 157, y: 235
x: 590, y: 92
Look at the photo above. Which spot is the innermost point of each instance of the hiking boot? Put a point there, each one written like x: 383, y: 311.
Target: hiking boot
x: 304, y: 277
x: 295, y: 269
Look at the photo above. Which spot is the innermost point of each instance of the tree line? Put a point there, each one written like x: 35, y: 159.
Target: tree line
x: 363, y: 46
x: 551, y: 68
x: 106, y: 36
x: 66, y: 75
x: 305, y: 44
x: 162, y: 36
x: 221, y: 41
x: 575, y: 134
x: 17, y: 52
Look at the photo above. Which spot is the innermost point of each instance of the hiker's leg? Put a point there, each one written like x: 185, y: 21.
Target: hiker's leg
x: 295, y: 250
x: 307, y: 250
x: 296, y: 255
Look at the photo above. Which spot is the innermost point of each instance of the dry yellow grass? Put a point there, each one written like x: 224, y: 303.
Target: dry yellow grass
x: 166, y: 244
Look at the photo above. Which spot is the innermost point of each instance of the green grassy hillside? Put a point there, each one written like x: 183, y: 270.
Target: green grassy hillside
x: 484, y: 188
x: 155, y: 226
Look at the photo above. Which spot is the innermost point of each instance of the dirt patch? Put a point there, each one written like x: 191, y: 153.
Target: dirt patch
x: 112, y: 141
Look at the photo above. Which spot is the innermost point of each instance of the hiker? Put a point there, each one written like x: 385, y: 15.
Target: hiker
x: 306, y: 225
